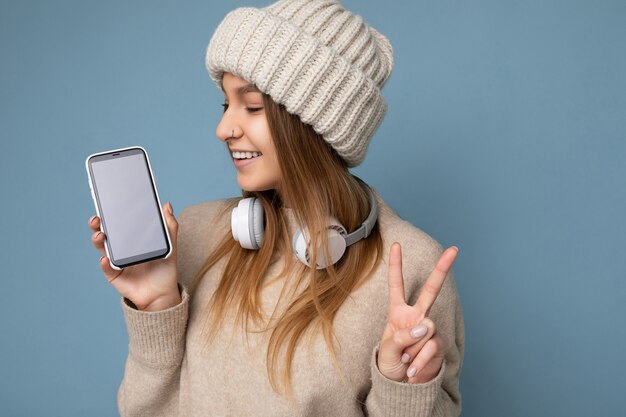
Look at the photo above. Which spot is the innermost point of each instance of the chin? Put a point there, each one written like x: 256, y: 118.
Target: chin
x: 247, y: 184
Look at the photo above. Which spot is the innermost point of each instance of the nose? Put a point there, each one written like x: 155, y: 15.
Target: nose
x: 227, y: 129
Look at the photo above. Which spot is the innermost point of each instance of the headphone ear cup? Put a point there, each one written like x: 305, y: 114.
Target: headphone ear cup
x: 300, y: 247
x: 336, y: 245
x: 246, y: 223
x: 258, y: 222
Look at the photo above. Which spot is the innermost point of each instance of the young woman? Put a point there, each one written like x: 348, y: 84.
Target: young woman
x: 294, y: 300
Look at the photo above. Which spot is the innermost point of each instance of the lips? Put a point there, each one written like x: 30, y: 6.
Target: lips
x: 240, y: 163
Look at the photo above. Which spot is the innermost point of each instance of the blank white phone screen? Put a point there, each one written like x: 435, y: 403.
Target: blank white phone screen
x: 128, y: 206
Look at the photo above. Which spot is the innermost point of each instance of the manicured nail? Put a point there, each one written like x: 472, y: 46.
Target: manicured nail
x: 405, y: 358
x: 419, y: 331
x: 411, y: 372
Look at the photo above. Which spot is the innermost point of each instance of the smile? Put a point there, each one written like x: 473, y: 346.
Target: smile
x: 245, y: 155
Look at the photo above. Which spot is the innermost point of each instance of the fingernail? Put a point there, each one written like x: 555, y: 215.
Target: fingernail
x: 419, y: 331
x: 101, y: 258
x: 170, y: 208
x: 92, y: 219
x: 98, y: 235
x: 405, y: 358
x: 411, y: 372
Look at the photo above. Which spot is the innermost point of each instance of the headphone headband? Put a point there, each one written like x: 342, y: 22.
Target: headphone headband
x: 247, y: 225
x: 368, y: 224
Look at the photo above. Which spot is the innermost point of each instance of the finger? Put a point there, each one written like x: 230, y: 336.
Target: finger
x: 109, y: 273
x: 431, y: 288
x: 97, y: 239
x: 94, y: 222
x: 394, y: 346
x: 410, y: 352
x: 396, y: 282
x: 423, y: 368
x: 390, y: 352
x: 172, y: 224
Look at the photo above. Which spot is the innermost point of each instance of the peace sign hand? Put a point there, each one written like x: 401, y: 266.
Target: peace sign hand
x: 410, y: 351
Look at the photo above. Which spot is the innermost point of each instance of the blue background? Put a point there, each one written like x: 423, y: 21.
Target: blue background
x: 506, y: 136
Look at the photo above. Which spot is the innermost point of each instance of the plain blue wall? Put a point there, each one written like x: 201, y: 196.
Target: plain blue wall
x: 506, y: 136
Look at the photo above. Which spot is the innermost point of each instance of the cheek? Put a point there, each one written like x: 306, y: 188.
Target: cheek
x: 272, y: 166
x: 260, y: 130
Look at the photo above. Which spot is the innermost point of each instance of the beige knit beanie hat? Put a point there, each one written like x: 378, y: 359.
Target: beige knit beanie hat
x: 316, y: 58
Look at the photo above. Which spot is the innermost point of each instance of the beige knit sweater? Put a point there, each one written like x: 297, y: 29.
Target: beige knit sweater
x: 166, y: 373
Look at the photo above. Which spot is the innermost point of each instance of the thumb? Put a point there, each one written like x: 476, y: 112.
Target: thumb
x: 392, y: 348
x: 390, y: 359
x: 172, y: 224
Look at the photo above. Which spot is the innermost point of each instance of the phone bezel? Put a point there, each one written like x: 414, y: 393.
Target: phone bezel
x: 138, y: 258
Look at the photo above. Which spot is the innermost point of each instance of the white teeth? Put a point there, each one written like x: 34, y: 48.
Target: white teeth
x: 246, y: 155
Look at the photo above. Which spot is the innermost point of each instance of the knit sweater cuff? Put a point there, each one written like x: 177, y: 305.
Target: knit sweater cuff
x: 157, y: 338
x: 403, y: 399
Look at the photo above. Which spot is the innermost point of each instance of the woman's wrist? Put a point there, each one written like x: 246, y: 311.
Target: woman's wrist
x: 164, y: 302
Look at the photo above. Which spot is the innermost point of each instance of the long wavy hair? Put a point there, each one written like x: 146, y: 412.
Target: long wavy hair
x: 318, y: 184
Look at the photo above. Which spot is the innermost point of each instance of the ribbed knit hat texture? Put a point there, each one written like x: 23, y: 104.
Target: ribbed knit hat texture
x: 319, y: 60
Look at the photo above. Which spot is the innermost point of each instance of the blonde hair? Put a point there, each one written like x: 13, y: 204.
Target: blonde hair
x: 318, y: 184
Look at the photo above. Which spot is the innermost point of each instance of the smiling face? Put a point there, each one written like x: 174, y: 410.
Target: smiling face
x: 245, y: 131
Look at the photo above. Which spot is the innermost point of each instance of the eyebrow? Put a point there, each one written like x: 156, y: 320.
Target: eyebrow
x: 244, y: 89
x: 248, y: 88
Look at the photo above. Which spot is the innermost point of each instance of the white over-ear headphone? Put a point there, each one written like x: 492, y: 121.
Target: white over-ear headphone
x: 247, y: 225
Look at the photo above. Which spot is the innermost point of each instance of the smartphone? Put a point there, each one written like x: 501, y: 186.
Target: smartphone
x: 126, y: 199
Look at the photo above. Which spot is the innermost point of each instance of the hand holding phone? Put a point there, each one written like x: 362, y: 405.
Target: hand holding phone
x: 151, y: 286
x: 132, y: 230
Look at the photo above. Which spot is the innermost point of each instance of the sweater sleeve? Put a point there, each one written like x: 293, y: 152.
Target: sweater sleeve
x: 439, y: 397
x: 150, y: 386
x: 156, y: 339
